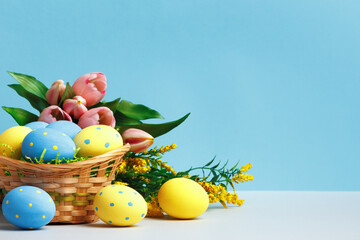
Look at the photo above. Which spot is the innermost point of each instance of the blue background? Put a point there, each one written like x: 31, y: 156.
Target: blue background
x: 274, y: 83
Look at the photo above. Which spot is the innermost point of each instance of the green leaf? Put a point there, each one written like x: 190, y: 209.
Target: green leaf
x: 35, y: 101
x: 137, y: 111
x: 111, y: 105
x: 122, y: 120
x: 209, y: 163
x: 30, y: 84
x: 68, y: 93
x: 155, y: 130
x: 234, y: 167
x: 215, y: 178
x: 21, y: 116
x: 214, y: 167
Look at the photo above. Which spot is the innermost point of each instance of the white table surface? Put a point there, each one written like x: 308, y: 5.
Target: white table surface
x: 264, y: 215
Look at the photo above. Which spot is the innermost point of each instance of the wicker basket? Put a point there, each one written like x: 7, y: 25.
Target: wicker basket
x: 72, y: 186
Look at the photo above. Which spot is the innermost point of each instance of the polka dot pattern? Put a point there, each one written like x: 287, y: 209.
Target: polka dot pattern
x: 26, y: 208
x: 96, y: 140
x: 120, y: 205
x: 54, y: 142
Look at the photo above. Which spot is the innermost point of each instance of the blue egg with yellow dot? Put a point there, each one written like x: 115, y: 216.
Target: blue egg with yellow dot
x: 28, y: 207
x: 47, y: 144
x: 67, y: 127
x: 37, y: 124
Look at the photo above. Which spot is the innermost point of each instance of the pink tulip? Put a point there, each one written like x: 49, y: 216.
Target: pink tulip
x: 52, y: 114
x: 55, y: 92
x: 139, y: 140
x: 75, y: 107
x: 96, y: 116
x: 91, y: 86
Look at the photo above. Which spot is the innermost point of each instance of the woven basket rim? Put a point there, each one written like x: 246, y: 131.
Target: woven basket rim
x: 66, y: 166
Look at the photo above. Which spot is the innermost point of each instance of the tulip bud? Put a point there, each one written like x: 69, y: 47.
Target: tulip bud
x: 55, y: 92
x: 96, y: 116
x: 53, y: 113
x: 138, y: 139
x: 91, y: 86
x: 75, y: 107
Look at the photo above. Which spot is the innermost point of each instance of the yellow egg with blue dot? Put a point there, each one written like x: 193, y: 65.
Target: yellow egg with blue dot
x: 28, y: 207
x: 96, y: 140
x: 120, y: 205
x: 183, y: 198
x: 11, y: 140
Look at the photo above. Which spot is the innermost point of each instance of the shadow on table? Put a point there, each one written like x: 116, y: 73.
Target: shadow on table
x: 102, y: 225
x: 9, y: 227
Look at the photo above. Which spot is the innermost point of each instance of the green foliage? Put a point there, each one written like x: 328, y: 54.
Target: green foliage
x: 149, y: 182
x: 30, y: 84
x: 122, y: 121
x: 214, y: 173
x: 154, y: 130
x: 137, y: 111
x: 20, y: 115
x: 68, y: 94
x: 111, y: 105
x: 36, y: 102
x: 126, y: 113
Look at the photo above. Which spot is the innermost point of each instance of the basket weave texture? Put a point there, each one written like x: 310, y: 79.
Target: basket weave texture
x: 72, y: 186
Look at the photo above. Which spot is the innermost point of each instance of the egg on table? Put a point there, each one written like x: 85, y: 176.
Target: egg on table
x: 96, y: 140
x: 28, y: 207
x: 183, y: 198
x: 11, y: 140
x: 48, y: 144
x: 37, y: 124
x: 67, y: 127
x: 120, y: 205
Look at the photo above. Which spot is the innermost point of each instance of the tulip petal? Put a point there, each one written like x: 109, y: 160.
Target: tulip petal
x: 91, y: 86
x: 139, y: 140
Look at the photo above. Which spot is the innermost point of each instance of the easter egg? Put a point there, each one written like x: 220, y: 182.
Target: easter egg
x: 28, y: 207
x: 120, y: 205
x: 67, y: 127
x: 36, y: 125
x: 183, y: 198
x: 96, y: 140
x: 55, y: 144
x: 11, y: 140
